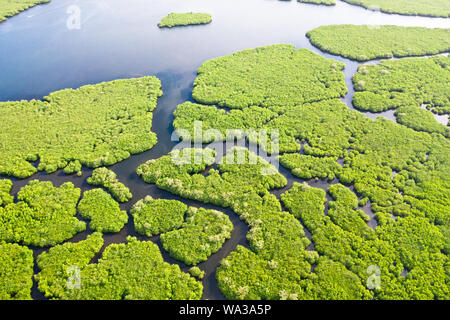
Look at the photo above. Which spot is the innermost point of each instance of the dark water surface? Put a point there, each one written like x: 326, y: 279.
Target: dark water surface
x: 120, y: 39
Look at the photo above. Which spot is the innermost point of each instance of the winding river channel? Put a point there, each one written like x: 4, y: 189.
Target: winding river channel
x: 39, y: 54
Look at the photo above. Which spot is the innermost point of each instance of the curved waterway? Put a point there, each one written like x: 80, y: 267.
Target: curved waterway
x: 39, y: 54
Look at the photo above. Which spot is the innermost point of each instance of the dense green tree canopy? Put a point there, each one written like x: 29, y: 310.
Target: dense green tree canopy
x: 403, y: 173
x: 177, y: 162
x: 395, y: 245
x: 184, y: 19
x: 366, y: 42
x: 272, y: 269
x: 197, y: 272
x: 94, y: 125
x: 308, y: 167
x: 277, y: 266
x: 406, y: 84
x: 5, y: 189
x: 155, y: 216
x: 203, y: 234
x: 62, y: 261
x: 211, y: 117
x: 103, y: 211
x: 131, y: 271
x: 44, y: 215
x: 108, y: 179
x: 275, y: 77
x: 219, y: 186
x: 431, y: 8
x: 420, y: 119
x: 409, y: 81
x: 16, y: 272
x: 309, y: 244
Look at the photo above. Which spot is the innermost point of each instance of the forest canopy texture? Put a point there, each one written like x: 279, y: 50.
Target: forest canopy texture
x: 92, y: 126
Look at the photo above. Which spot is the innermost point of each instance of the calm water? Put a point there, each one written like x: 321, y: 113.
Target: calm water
x: 120, y: 39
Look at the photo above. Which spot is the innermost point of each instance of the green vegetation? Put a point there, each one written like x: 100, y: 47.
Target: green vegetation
x: 365, y: 43
x: 302, y: 199
x: 62, y: 261
x: 324, y: 2
x: 203, y: 234
x: 311, y: 123
x: 308, y: 167
x: 43, y: 216
x: 220, y: 186
x: 411, y: 243
x: 155, y: 216
x: 108, y: 179
x: 196, y: 272
x: 103, y: 211
x: 428, y: 8
x: 16, y: 272
x: 281, y: 267
x: 5, y: 189
x: 95, y: 125
x: 343, y: 235
x: 403, y: 173
x: 9, y: 8
x: 275, y: 77
x: 212, y: 118
x: 332, y: 281
x: 343, y: 211
x: 324, y: 127
x: 244, y: 188
x: 420, y: 120
x: 406, y: 84
x: 131, y: 271
x: 270, y: 77
x: 176, y: 163
x: 184, y: 19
